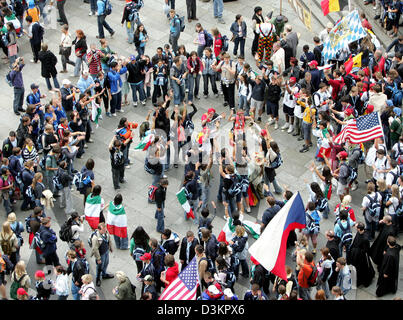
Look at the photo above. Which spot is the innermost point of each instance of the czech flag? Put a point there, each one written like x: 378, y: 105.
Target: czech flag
x: 270, y: 249
x: 332, y: 6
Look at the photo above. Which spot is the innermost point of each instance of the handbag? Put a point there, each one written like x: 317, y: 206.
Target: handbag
x: 61, y: 50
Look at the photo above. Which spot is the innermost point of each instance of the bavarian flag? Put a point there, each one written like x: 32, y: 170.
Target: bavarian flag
x: 92, y: 210
x: 116, y: 221
x: 332, y: 6
x: 270, y: 249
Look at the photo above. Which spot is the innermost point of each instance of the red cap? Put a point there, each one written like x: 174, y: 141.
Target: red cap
x: 40, y: 274
x: 254, y: 261
x: 313, y: 63
x: 293, y: 79
x: 372, y: 85
x: 21, y: 292
x: 370, y: 108
x: 211, y: 110
x: 145, y: 256
x: 263, y: 132
x: 342, y: 155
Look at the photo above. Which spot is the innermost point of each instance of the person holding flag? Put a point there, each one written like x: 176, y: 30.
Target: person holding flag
x: 94, y: 205
x: 125, y: 134
x: 116, y: 222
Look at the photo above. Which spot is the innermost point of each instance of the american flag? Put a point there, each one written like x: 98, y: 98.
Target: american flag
x: 185, y: 285
x: 362, y: 129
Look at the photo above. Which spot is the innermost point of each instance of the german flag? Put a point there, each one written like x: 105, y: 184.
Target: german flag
x: 332, y: 5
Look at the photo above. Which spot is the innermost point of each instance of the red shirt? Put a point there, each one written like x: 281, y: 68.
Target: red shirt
x: 171, y: 274
x: 217, y: 45
x: 95, y: 64
x: 304, y: 274
x: 336, y: 85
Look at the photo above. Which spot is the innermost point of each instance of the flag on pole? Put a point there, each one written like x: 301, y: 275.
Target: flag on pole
x: 347, y: 30
x: 227, y: 231
x: 185, y: 285
x: 92, y: 210
x: 353, y: 62
x: 183, y: 200
x: 116, y: 221
x: 270, y: 249
x: 332, y: 6
x: 145, y: 142
x: 362, y: 129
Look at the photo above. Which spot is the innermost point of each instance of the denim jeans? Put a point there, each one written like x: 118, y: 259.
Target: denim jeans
x: 66, y: 200
x: 159, y: 215
x: 173, y: 40
x: 239, y: 41
x: 277, y: 188
x: 93, y: 6
x: 179, y: 92
x: 194, y: 83
x: 156, y: 179
x: 200, y: 49
x: 41, y: 6
x: 125, y: 152
x: 325, y: 287
x: 55, y: 83
x: 218, y: 8
x: 121, y: 243
x: 101, y: 24
x: 7, y: 206
x: 243, y: 103
x: 18, y: 98
x: 206, y: 78
x: 101, y: 268
x: 77, y: 67
x: 140, y: 88
x: 140, y: 51
x: 231, y: 204
x: 245, y: 268
x: 74, y: 291
x: 305, y: 293
x: 116, y: 102
x: 130, y: 32
x: 166, y: 165
x: 205, y: 194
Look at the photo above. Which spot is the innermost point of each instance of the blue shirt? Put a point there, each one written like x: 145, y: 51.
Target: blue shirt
x: 101, y: 7
x: 34, y: 98
x: 141, y: 38
x: 83, y: 84
x: 114, y: 79
x: 174, y: 26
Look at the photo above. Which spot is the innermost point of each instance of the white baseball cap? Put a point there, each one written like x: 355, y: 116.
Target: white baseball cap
x: 228, y: 293
x: 66, y: 81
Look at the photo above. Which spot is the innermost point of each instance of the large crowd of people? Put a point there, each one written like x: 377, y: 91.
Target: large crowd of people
x: 303, y: 96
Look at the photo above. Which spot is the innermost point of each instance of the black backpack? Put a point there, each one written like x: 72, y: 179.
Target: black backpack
x: 210, y: 265
x: 65, y: 233
x: 313, y: 278
x: 346, y: 237
x: 374, y: 207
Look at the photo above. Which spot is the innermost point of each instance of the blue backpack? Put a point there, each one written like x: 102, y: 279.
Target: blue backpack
x: 225, y: 43
x: 161, y: 253
x: 81, y: 181
x: 108, y: 7
x: 209, y: 39
x: 277, y: 162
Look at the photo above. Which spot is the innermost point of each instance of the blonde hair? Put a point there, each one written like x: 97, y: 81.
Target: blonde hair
x: 121, y: 276
x: 381, y: 183
x: 6, y: 231
x: 239, y: 231
x: 11, y: 217
x: 20, y: 269
x: 395, y: 191
x: 87, y: 278
x: 38, y: 176
x: 346, y: 200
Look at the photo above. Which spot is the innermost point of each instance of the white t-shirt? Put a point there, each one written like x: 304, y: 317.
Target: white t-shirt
x: 288, y: 101
x: 381, y: 164
x: 390, y: 176
x: 393, y: 206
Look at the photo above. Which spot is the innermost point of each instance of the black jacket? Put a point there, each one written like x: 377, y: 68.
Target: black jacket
x: 134, y: 72
x: 182, y: 252
x: 37, y: 34
x: 48, y: 64
x: 160, y: 195
x: 211, y: 248
x: 7, y: 148
x: 78, y: 271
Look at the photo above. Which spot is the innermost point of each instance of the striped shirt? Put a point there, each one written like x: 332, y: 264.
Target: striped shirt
x: 28, y: 154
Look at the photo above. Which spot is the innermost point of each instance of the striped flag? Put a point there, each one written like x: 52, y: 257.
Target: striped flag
x: 332, y: 6
x: 270, y: 249
x: 362, y: 129
x: 92, y: 210
x: 145, y: 143
x: 227, y: 231
x: 96, y: 111
x: 184, y: 287
x: 116, y: 222
x: 183, y: 200
x: 353, y: 62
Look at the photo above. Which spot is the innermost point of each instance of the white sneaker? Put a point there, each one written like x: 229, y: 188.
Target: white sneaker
x: 143, y: 102
x: 134, y: 104
x: 90, y: 13
x: 276, y: 125
x: 127, y: 167
x: 271, y: 121
x: 285, y: 126
x: 290, y: 129
x: 121, y: 110
x: 113, y: 114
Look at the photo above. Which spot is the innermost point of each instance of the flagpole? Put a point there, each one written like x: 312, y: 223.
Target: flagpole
x: 349, y: 5
x: 281, y: 6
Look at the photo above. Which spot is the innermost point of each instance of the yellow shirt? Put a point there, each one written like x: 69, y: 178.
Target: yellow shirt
x: 309, y: 114
x: 34, y: 13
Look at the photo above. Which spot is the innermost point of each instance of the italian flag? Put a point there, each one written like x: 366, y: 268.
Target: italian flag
x: 116, y: 222
x: 181, y: 195
x: 325, y: 146
x: 95, y: 112
x: 227, y: 231
x: 145, y: 142
x: 92, y: 210
x: 252, y: 228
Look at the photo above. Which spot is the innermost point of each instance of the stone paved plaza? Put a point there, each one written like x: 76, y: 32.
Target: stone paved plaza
x: 292, y: 173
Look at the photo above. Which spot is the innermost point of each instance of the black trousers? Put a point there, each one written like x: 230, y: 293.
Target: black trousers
x: 158, y: 90
x: 206, y: 78
x: 191, y: 8
x: 60, y: 7
x: 229, y: 93
x: 52, y: 259
x: 36, y: 47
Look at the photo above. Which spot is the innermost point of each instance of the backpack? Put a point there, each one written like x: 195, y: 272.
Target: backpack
x: 210, y: 265
x: 6, y: 246
x: 15, y: 286
x: 225, y: 43
x: 2, y: 265
x: 346, y: 237
x: 108, y: 7
x: 236, y: 186
x: 56, y: 182
x: 42, y: 163
x: 313, y: 278
x: 81, y: 181
x: 361, y: 159
x: 29, y: 192
x: 352, y: 174
x: 65, y: 233
x: 8, y: 78
x: 85, y: 264
x: 138, y: 252
x: 374, y: 207
x: 17, y: 232
x: 28, y: 224
x: 230, y: 279
x: 161, y: 253
x: 132, y: 13
x: 209, y: 39
x: 90, y: 238
x: 27, y: 98
x: 37, y: 242
x: 276, y: 162
x: 321, y: 204
x: 181, y: 22
x: 311, y: 226
x: 176, y: 241
x: 9, y: 264
x: 399, y: 209
x: 151, y: 193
